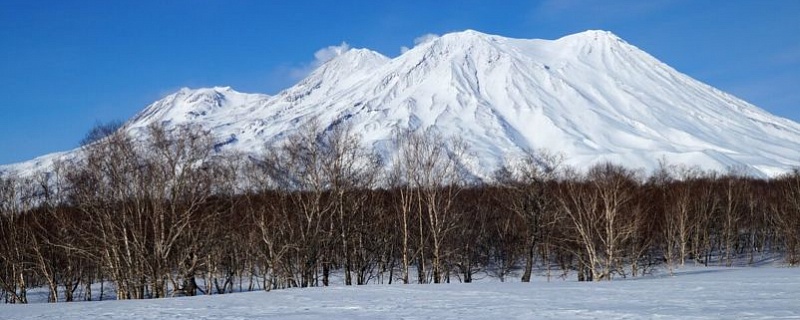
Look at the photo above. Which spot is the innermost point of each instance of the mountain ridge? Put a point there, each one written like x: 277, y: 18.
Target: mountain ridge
x: 591, y: 96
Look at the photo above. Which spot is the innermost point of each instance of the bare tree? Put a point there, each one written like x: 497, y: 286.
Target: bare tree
x: 13, y: 261
x: 733, y: 191
x: 526, y: 193
x: 349, y: 170
x: 178, y: 182
x: 785, y: 215
x: 674, y: 188
x: 163, y: 214
x: 598, y: 207
x: 705, y: 205
x: 100, y: 131
x: 296, y: 167
x: 427, y: 169
x: 141, y: 199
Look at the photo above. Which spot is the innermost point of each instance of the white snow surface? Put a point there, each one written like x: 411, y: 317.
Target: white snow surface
x: 692, y: 293
x: 590, y: 96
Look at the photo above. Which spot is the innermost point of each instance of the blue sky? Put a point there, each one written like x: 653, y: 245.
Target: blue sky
x: 65, y: 65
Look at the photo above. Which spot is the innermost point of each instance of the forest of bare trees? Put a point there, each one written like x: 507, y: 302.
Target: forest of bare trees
x: 168, y: 216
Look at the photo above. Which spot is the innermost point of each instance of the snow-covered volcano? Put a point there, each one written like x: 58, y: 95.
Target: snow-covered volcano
x: 590, y: 96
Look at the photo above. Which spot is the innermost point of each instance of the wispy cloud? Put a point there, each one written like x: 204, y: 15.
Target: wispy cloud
x: 287, y: 75
x: 320, y: 57
x: 420, y: 40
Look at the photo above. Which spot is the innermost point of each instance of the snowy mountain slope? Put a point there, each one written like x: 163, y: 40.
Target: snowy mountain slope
x: 591, y: 96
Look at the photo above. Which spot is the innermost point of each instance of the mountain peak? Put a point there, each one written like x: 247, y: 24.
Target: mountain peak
x: 467, y: 33
x: 466, y: 36
x: 350, y: 60
x: 361, y: 54
x: 598, y: 34
x: 454, y: 43
x: 189, y: 104
x: 594, y: 37
x: 343, y: 65
x: 205, y: 91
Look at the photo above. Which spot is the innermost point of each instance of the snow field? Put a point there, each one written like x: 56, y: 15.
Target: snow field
x: 692, y: 293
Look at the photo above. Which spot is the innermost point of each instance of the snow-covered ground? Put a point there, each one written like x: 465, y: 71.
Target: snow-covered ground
x: 692, y: 293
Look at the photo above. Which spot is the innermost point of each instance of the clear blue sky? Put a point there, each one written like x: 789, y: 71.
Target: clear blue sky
x: 65, y: 65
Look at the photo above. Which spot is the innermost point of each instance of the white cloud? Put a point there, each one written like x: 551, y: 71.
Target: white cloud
x: 325, y: 54
x: 320, y: 57
x: 425, y: 38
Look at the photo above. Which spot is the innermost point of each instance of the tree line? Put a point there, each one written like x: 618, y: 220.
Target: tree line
x: 167, y: 216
